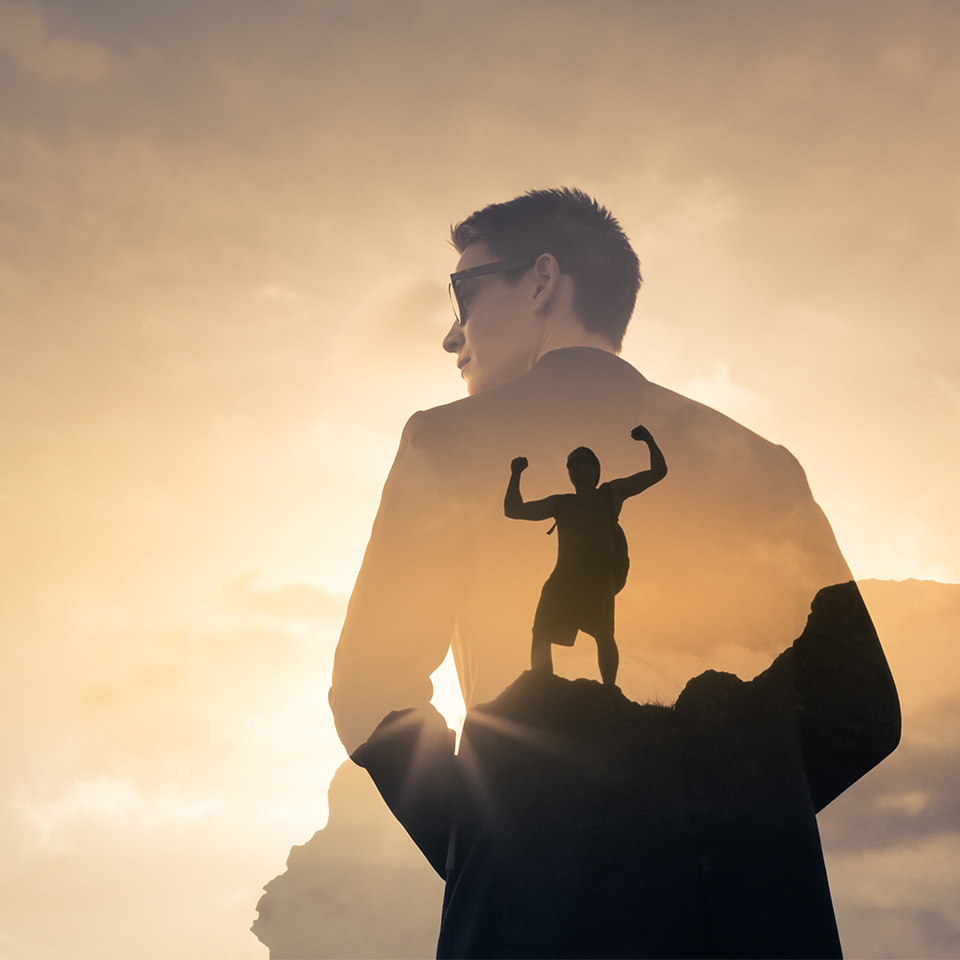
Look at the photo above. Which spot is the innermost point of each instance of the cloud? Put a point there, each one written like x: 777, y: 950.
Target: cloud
x: 24, y: 34
x: 291, y: 602
x: 718, y: 389
x: 117, y: 803
x: 895, y: 932
x: 703, y: 209
x: 910, y: 801
x: 186, y: 693
x: 918, y: 874
x: 901, y: 547
x: 909, y: 798
x: 398, y: 325
x: 947, y: 389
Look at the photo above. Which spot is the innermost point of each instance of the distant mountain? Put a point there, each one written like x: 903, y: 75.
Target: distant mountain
x: 357, y: 888
x: 891, y: 842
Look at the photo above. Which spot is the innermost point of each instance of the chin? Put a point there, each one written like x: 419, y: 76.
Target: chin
x: 490, y: 379
x: 480, y: 386
x: 475, y: 384
x: 485, y: 384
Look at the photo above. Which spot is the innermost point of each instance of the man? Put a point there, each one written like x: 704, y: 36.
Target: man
x: 732, y: 552
x: 733, y: 549
x: 592, y: 557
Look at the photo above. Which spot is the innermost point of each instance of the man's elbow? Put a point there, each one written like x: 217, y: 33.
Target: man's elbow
x: 353, y: 726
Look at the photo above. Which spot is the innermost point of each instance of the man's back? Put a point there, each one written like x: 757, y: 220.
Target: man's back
x: 585, y: 526
x: 726, y: 553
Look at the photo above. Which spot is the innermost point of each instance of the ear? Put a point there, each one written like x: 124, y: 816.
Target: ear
x: 546, y: 275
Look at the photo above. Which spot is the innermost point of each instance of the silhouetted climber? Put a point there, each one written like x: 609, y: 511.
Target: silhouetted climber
x: 591, y: 553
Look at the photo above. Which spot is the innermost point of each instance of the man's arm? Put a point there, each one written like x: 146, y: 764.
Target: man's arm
x: 401, y: 615
x: 630, y: 486
x: 848, y: 712
x: 513, y: 506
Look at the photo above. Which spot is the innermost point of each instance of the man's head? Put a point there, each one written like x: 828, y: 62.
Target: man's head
x: 586, y: 239
x: 570, y: 252
x: 583, y: 466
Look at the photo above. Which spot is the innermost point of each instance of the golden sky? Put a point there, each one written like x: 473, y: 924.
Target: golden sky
x: 222, y: 292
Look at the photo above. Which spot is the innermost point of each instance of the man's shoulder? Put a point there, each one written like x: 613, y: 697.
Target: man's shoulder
x: 568, y: 371
x: 704, y: 427
x: 611, y: 389
x: 429, y: 427
x: 459, y: 416
x: 684, y: 410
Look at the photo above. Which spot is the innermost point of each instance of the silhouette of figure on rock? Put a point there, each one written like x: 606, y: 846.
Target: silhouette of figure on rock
x: 592, y: 560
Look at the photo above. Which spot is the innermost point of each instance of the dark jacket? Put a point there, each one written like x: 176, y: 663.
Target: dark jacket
x: 576, y: 823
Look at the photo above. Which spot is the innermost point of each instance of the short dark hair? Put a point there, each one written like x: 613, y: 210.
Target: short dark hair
x: 586, y: 239
x: 589, y: 455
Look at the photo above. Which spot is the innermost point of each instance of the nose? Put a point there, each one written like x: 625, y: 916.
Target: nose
x: 453, y: 341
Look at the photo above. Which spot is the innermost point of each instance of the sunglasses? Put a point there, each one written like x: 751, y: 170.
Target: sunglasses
x: 498, y: 266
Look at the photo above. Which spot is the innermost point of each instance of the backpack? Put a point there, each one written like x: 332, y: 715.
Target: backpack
x: 621, y: 556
